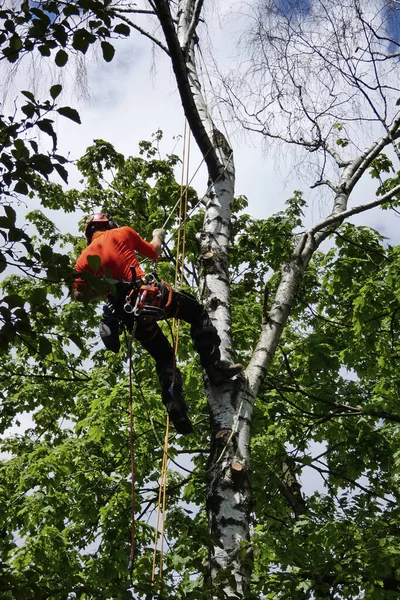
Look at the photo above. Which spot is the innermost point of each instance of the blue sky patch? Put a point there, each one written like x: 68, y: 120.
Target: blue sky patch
x: 292, y: 7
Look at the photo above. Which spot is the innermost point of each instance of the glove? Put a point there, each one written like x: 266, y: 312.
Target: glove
x: 160, y: 233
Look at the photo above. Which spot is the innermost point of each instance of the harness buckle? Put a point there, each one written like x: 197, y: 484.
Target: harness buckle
x: 128, y: 308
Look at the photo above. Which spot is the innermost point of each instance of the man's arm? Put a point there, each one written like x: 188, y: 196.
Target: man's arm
x: 158, y: 240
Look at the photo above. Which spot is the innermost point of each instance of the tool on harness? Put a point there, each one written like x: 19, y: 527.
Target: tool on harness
x: 146, y: 296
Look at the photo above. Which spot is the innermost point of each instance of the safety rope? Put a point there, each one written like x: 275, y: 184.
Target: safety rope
x: 132, y: 456
x: 161, y: 508
x: 172, y: 213
x: 180, y: 257
x: 183, y: 204
x: 201, y: 201
x: 183, y: 217
x: 184, y: 224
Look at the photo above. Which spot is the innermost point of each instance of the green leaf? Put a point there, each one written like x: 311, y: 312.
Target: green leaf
x: 70, y: 113
x: 108, y: 51
x: 55, y: 91
x: 11, y: 55
x: 96, y: 433
x: 61, y: 58
x: 10, y: 212
x: 45, y: 346
x: 29, y: 110
x: 94, y: 262
x: 82, y: 39
x: 16, y: 42
x: 38, y: 296
x: 42, y: 163
x: 46, y: 125
x: 62, y: 171
x: 71, y: 10
x: 15, y: 234
x: 44, y: 50
x: 14, y: 300
x: 21, y: 188
x: 34, y: 146
x: 9, y: 25
x: 60, y: 34
x: 122, y: 29
x: 29, y: 95
x: 46, y: 253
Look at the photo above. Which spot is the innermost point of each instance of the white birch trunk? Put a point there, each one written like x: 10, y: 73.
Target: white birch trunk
x: 292, y: 273
x: 228, y: 485
x: 228, y: 489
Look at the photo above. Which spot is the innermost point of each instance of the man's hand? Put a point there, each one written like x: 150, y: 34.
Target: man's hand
x: 160, y: 234
x: 158, y: 240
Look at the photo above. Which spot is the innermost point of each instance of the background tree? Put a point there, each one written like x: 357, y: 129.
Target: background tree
x: 318, y: 546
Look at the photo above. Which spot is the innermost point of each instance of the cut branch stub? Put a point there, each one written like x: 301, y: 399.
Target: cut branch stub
x: 237, y: 467
x: 223, y: 435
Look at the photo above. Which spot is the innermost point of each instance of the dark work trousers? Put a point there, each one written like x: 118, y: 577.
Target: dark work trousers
x: 204, y: 335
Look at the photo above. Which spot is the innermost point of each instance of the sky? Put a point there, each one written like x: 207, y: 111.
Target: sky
x: 131, y: 99
x: 135, y: 94
x: 390, y: 8
x: 289, y: 7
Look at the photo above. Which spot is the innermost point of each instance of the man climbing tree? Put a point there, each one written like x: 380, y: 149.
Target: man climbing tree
x: 140, y: 300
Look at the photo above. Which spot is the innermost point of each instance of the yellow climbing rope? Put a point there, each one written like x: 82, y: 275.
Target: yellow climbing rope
x: 179, y: 279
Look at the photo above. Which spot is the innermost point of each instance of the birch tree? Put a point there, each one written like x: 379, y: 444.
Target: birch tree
x: 308, y: 108
x: 353, y: 69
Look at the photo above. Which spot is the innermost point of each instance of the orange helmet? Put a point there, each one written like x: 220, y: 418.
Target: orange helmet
x: 98, y: 221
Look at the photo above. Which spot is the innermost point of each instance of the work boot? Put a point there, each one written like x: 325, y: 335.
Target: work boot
x: 177, y: 410
x: 172, y: 397
x: 221, y: 371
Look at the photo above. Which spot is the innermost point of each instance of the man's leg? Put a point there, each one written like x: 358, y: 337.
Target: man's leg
x: 109, y: 329
x: 205, y: 337
x: 157, y: 345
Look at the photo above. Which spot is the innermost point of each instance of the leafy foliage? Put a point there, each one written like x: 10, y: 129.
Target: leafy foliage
x: 329, y: 406
x: 332, y: 401
x: 77, y: 449
x: 55, y: 29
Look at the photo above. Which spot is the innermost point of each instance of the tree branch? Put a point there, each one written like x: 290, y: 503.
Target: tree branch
x: 145, y: 33
x: 338, y: 218
x: 179, y: 64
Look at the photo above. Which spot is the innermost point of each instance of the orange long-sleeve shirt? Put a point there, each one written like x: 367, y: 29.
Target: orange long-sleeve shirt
x: 117, y: 251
